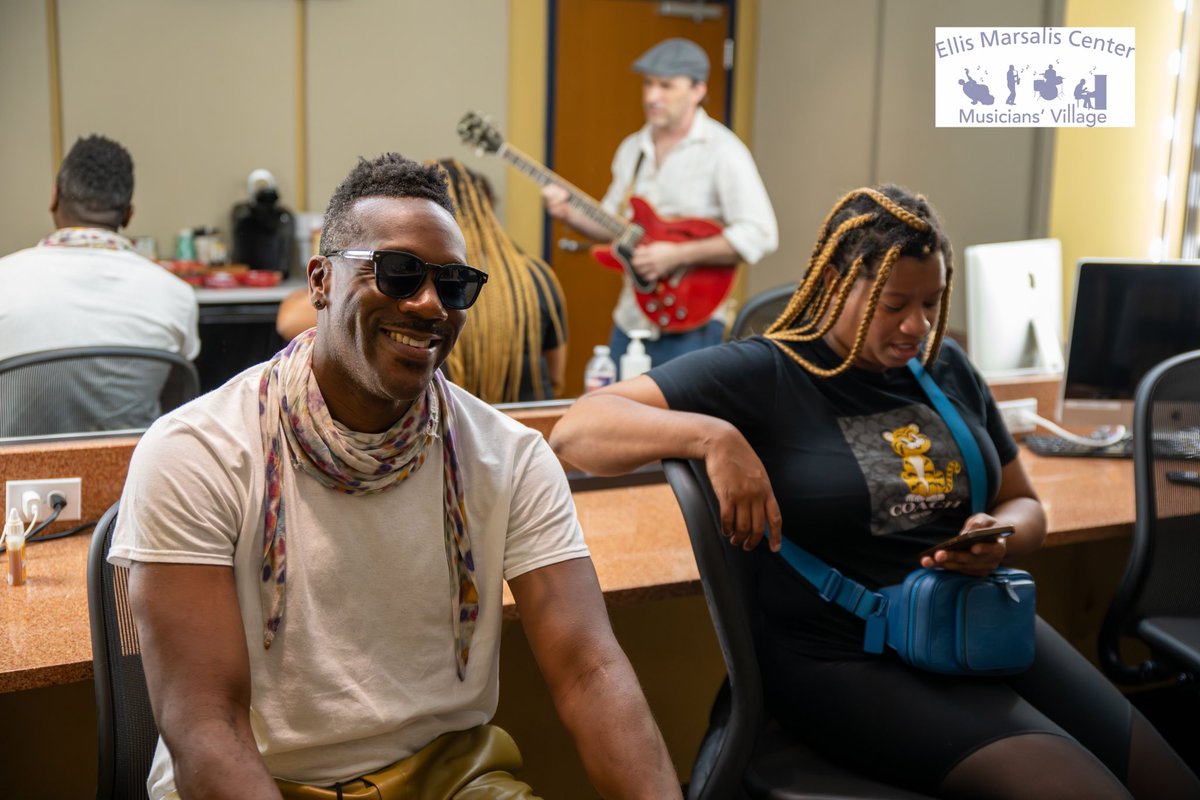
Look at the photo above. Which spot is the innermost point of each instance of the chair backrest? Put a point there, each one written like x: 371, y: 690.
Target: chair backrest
x: 125, y: 725
x: 1160, y: 577
x: 760, y: 311
x: 727, y: 578
x: 84, y: 389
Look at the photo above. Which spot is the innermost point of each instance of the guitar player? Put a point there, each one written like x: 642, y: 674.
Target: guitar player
x: 686, y: 164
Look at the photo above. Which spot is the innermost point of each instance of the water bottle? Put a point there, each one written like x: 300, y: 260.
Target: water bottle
x: 600, y: 370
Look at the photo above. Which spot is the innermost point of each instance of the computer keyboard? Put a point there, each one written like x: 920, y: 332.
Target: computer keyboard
x: 1180, y: 444
x: 1051, y: 445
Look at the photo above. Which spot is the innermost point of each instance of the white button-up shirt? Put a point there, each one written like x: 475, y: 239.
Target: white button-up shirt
x: 708, y: 174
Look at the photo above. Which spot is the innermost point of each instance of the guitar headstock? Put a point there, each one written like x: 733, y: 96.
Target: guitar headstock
x: 477, y: 131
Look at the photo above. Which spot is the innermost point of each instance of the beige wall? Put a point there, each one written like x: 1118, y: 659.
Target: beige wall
x: 845, y: 97
x: 26, y: 160
x: 386, y: 75
x: 198, y: 101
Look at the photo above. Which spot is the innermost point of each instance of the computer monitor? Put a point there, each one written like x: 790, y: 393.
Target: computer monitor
x: 1014, y: 307
x: 1127, y: 316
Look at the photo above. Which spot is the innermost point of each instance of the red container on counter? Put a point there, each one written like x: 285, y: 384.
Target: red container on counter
x: 220, y: 280
x: 261, y: 278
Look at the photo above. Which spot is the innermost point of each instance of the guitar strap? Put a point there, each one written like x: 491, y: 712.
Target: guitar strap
x: 624, y: 206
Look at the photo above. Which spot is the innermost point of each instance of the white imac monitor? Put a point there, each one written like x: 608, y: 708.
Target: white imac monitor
x: 1127, y: 316
x: 1014, y: 307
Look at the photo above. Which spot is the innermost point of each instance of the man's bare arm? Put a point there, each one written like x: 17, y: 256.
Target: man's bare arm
x: 556, y: 366
x: 198, y: 675
x: 593, y: 685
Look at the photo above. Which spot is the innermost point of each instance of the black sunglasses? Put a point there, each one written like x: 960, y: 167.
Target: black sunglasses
x: 400, y: 275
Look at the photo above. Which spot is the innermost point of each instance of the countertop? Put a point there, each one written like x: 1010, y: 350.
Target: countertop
x: 636, y: 535
x: 248, y: 294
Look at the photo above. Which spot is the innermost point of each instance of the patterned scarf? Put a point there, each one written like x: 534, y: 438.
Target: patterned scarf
x: 291, y: 408
x: 95, y: 238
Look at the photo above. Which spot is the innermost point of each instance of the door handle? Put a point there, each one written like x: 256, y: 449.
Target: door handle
x: 570, y: 245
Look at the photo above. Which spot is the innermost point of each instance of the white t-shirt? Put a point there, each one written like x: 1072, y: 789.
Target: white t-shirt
x: 710, y: 174
x: 56, y: 297
x: 362, y: 670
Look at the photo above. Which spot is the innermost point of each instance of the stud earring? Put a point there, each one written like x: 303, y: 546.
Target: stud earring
x: 319, y: 303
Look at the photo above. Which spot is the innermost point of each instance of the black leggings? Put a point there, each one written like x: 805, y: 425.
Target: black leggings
x: 908, y: 727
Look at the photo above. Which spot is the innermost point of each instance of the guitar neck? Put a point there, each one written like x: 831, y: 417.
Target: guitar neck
x: 578, y: 199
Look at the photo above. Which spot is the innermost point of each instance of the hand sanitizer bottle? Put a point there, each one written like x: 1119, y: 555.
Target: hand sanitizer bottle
x: 635, y: 361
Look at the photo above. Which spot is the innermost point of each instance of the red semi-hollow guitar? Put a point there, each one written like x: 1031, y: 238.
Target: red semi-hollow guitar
x: 682, y: 302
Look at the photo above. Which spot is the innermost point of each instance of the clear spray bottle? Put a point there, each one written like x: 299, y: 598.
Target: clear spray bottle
x: 14, y: 541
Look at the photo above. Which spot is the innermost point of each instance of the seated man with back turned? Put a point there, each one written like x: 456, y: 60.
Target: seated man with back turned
x: 318, y: 548
x: 85, y: 286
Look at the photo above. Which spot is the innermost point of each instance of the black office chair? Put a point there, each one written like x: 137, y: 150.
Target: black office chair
x: 85, y: 389
x: 125, y: 725
x: 760, y: 311
x: 1158, y: 600
x: 743, y: 754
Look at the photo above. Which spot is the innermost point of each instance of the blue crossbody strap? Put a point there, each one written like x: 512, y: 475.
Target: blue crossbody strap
x: 834, y: 587
x: 967, y: 445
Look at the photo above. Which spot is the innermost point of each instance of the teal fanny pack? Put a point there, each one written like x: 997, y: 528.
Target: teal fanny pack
x: 955, y: 624
x: 937, y: 620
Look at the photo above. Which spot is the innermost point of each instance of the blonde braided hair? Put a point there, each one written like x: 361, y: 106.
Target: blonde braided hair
x: 863, y: 236
x: 505, y: 326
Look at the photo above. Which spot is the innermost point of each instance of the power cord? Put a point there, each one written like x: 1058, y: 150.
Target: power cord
x: 1116, y: 434
x: 58, y: 502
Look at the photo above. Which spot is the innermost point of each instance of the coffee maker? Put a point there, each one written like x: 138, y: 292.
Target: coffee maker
x: 263, y: 230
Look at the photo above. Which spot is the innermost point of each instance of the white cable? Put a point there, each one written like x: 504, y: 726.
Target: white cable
x: 1087, y: 441
x: 31, y: 504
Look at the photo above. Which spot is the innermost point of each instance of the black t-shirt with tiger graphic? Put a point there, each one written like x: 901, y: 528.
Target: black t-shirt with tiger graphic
x: 866, y: 473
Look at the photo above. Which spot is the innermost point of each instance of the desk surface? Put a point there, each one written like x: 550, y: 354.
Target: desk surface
x: 636, y: 535
x: 248, y: 294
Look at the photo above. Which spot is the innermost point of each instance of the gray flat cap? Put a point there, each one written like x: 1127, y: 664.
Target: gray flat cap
x: 673, y: 57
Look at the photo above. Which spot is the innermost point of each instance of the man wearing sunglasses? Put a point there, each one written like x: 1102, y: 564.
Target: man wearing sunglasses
x: 318, y: 548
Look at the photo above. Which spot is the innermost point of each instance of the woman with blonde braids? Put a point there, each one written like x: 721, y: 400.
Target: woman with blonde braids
x: 514, y: 348
x: 819, y: 433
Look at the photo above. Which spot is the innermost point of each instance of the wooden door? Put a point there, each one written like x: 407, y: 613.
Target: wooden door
x: 596, y: 102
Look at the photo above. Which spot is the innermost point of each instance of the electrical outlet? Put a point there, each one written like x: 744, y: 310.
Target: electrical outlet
x: 1018, y: 414
x: 69, y: 488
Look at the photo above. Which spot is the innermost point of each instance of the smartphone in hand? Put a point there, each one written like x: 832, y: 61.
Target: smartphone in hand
x: 964, y: 540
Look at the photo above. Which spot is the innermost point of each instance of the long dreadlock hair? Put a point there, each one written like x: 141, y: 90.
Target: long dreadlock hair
x: 863, y: 236
x: 505, y: 327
